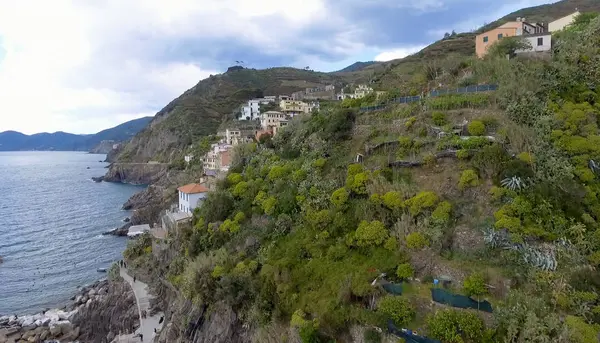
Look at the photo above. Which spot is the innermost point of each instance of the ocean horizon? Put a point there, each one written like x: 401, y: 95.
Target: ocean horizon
x: 52, y: 216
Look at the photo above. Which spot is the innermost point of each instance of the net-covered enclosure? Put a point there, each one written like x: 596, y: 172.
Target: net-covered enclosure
x: 443, y: 296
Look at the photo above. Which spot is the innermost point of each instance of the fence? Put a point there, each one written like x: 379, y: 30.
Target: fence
x: 409, y: 99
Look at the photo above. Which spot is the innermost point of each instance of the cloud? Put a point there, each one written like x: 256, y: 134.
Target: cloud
x: 397, y: 53
x: 85, y: 65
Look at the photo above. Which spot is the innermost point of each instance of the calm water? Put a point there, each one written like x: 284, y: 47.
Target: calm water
x: 51, y: 218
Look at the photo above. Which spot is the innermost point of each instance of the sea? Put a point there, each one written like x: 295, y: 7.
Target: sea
x: 52, y: 216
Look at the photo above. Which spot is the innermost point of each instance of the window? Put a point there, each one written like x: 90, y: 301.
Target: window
x: 485, y: 39
x: 499, y: 36
x: 540, y: 41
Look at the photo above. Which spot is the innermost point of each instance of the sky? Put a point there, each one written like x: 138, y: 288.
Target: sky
x: 82, y: 66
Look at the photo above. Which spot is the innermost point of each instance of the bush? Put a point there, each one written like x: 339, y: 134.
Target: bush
x: 439, y: 118
x: 468, y: 178
x: 339, y: 197
x: 405, y: 271
x: 462, y: 154
x: 452, y: 326
x: 398, y: 309
x: 476, y: 128
x: 525, y: 157
x: 416, y: 241
x: 422, y: 201
x: 393, y: 200
x: 441, y: 214
x: 580, y: 331
x: 370, y: 234
x: 474, y: 285
x: 319, y: 163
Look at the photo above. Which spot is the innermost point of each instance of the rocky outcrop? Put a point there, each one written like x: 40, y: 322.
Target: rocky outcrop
x: 135, y: 173
x: 121, y: 231
x: 96, y: 312
x: 110, y: 310
x: 104, y: 147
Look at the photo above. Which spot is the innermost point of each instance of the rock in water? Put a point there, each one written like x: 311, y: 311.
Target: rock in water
x: 98, y: 178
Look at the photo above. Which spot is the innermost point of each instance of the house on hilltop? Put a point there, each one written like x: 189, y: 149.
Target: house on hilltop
x: 520, y: 27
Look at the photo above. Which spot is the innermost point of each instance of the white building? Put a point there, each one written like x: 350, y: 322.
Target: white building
x: 540, y: 42
x: 251, y: 110
x: 190, y: 197
x: 563, y: 22
x: 188, y: 158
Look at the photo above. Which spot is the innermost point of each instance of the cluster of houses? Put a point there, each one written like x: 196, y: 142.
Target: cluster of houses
x: 359, y: 92
x: 539, y: 35
x: 252, y: 109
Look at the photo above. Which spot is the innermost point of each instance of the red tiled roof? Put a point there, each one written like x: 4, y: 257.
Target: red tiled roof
x: 192, y: 188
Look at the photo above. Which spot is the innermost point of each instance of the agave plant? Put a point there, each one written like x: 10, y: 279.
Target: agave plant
x: 514, y: 183
x: 538, y: 257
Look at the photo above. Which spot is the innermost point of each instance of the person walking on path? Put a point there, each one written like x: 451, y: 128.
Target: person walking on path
x: 134, y: 279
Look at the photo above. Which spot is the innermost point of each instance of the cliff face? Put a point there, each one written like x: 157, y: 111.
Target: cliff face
x: 135, y: 173
x: 103, y: 148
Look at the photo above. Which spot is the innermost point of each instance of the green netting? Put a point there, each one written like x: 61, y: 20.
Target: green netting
x: 408, y: 336
x: 443, y: 296
x: 393, y: 288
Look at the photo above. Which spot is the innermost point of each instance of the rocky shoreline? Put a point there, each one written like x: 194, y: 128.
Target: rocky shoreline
x: 75, y: 321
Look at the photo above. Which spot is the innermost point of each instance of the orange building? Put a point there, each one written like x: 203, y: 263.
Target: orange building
x: 510, y: 29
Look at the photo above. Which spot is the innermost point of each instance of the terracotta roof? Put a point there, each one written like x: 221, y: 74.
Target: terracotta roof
x: 193, y: 188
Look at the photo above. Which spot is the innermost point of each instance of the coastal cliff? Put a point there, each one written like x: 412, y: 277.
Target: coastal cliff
x: 135, y: 173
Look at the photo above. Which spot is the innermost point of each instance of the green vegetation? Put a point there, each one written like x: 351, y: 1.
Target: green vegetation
x: 297, y: 233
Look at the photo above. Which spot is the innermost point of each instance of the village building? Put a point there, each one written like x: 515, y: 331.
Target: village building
x: 218, y: 158
x: 562, y: 23
x: 191, y: 196
x: 359, y: 92
x: 520, y: 27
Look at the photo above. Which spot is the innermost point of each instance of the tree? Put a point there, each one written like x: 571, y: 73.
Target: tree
x: 405, y: 271
x: 476, y: 128
x: 508, y: 46
x: 370, y: 234
x: 474, y: 285
x: 452, y: 326
x: 398, y: 309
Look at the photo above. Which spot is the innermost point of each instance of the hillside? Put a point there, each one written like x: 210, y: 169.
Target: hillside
x: 199, y: 111
x: 357, y: 66
x: 62, y: 141
x: 467, y: 218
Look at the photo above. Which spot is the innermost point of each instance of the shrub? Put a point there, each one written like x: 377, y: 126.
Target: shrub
x: 476, y: 128
x: 468, y: 178
x: 217, y: 272
x: 358, y: 183
x: 525, y: 157
x: 397, y: 309
x: 239, y: 217
x: 452, y: 326
x: 391, y: 244
x: 416, y: 240
x: 393, y: 200
x: 240, y: 189
x: 474, y: 284
x: 339, y: 197
x: 319, y: 163
x: 405, y: 271
x: 268, y: 205
x: 421, y: 201
x: 234, y: 178
x: 370, y: 234
x: 441, y: 214
x: 410, y: 122
x: 462, y: 154
x: 580, y: 331
x: 439, y: 118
